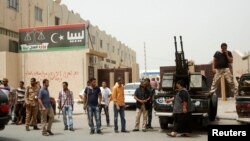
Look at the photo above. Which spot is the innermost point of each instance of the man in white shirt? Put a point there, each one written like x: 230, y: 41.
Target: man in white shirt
x: 106, y: 95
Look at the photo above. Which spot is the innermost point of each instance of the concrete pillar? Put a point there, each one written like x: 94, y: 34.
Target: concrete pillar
x: 111, y: 79
x: 126, y: 77
x: 223, y: 88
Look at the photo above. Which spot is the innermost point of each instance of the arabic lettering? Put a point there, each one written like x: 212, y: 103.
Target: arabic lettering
x: 75, y: 37
x: 57, y: 76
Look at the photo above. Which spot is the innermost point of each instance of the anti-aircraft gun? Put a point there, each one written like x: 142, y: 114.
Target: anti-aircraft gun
x: 205, y: 104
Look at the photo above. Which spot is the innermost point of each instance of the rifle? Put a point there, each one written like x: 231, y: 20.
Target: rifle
x: 60, y: 109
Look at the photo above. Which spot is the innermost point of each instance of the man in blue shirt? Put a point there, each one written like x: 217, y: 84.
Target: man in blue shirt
x: 91, y: 95
x: 46, y: 108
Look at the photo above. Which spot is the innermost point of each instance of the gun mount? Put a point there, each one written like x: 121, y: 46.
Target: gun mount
x: 205, y: 105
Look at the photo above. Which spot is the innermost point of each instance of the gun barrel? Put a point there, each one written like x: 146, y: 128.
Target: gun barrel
x: 175, y: 43
x: 181, y: 44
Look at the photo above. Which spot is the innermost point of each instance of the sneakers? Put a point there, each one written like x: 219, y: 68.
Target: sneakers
x: 27, y: 128
x: 135, y: 130
x: 144, y: 130
x: 125, y: 131
x: 150, y: 127
x: 92, y: 132
x: 50, y: 133
x: 65, y: 128
x: 99, y: 132
x: 71, y: 129
x: 116, y: 131
x: 36, y: 128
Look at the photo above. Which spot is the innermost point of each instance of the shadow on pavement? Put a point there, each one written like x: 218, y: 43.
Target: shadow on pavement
x: 8, y: 139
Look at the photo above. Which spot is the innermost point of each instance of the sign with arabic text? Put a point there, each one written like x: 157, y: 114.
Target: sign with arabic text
x: 61, y: 37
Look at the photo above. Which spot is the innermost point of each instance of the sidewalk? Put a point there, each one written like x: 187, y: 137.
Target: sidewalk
x: 227, y: 109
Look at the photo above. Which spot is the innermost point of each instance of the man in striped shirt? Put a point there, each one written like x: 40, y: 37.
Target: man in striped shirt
x: 20, y: 110
x: 66, y: 104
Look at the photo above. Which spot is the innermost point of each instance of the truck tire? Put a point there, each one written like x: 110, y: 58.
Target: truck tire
x: 163, y: 122
x: 213, y: 107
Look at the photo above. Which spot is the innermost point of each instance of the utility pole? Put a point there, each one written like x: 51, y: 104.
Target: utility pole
x: 145, y: 60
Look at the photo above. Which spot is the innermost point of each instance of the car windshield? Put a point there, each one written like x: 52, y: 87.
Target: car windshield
x: 131, y: 86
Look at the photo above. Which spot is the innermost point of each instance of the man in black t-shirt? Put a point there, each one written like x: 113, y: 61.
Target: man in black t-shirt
x: 93, y: 97
x: 221, y: 66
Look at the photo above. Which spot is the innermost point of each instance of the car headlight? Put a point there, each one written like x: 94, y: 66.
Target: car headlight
x: 162, y: 100
x: 197, y: 103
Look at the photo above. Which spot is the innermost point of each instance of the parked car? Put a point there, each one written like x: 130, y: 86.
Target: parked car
x: 129, y: 91
x: 4, y: 110
x: 243, y: 98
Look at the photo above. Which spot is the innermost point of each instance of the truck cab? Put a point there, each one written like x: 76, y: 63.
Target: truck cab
x: 243, y: 98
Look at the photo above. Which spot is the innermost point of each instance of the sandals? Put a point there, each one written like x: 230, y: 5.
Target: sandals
x: 182, y: 135
x: 171, y: 135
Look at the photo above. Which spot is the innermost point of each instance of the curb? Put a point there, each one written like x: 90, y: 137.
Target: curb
x: 226, y: 118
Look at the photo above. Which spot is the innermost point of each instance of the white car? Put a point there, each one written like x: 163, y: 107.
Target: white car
x: 129, y: 91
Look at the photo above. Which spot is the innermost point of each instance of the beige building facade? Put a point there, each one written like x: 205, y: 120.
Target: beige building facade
x: 240, y: 65
x: 74, y: 65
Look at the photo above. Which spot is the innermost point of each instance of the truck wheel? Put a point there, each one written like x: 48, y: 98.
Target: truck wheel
x: 163, y: 122
x: 213, y: 107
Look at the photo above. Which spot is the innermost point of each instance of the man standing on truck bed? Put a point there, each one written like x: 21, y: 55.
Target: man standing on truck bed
x: 221, y: 66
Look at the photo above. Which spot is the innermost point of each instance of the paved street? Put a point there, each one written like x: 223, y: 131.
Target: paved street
x: 18, y: 133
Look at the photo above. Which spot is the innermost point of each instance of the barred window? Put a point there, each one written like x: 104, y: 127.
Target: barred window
x: 13, y: 4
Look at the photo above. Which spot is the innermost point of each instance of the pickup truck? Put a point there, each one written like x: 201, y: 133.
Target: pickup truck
x: 243, y: 98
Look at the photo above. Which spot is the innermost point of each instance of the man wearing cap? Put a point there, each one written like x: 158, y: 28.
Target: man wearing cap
x: 119, y: 105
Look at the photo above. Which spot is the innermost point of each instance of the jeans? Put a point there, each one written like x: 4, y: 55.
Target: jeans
x: 94, y: 111
x: 121, y: 111
x: 106, y: 110
x: 67, y: 116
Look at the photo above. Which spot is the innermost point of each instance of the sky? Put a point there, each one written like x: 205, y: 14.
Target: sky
x: 203, y: 25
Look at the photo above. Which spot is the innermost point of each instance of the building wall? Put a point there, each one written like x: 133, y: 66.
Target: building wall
x: 9, y: 68
x: 3, y: 65
x: 57, y: 67
x: 24, y: 17
x: 48, y: 64
x: 239, y: 65
x: 119, y: 54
